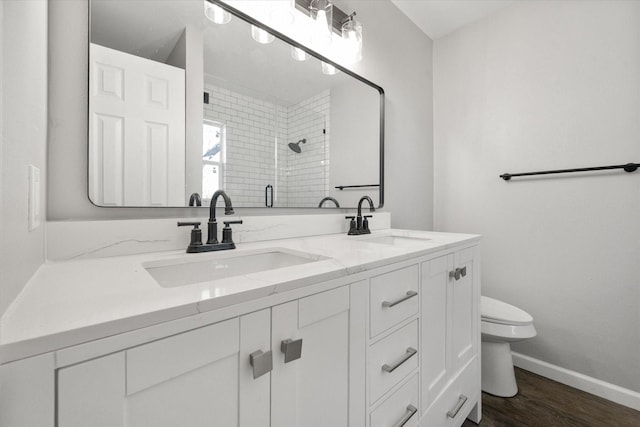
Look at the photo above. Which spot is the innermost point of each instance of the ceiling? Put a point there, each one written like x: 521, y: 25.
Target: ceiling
x: 437, y: 18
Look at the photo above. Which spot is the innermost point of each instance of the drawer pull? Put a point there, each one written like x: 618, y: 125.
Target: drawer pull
x: 411, y: 410
x: 390, y: 368
x: 463, y: 271
x: 461, y: 401
x: 410, y: 294
x: 458, y: 273
x: 261, y: 362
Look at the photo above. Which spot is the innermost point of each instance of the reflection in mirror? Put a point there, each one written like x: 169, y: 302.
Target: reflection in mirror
x: 271, y: 129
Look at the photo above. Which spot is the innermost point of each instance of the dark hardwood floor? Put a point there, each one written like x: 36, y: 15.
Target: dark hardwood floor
x: 541, y: 402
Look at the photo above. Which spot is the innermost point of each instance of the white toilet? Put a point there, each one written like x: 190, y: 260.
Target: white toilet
x: 501, y: 324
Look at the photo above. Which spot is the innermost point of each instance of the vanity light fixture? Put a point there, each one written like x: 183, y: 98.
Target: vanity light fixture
x: 352, y: 35
x: 216, y: 14
x: 321, y: 12
x: 261, y: 36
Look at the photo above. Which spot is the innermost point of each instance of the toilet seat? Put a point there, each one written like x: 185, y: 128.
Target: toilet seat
x: 495, y: 311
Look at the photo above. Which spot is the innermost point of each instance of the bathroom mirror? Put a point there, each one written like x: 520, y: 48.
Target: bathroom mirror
x: 180, y: 105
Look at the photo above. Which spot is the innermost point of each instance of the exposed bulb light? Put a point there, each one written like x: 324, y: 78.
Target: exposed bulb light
x: 216, y: 14
x: 321, y: 12
x: 260, y: 35
x: 329, y: 69
x: 298, y: 54
x: 352, y: 36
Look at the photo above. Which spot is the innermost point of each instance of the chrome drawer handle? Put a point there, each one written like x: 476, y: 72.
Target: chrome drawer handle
x: 411, y: 410
x: 390, y: 368
x: 461, y: 401
x: 458, y: 273
x: 261, y: 362
x: 410, y: 294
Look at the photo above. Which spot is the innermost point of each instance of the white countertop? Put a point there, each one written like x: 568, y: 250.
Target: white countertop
x: 72, y: 302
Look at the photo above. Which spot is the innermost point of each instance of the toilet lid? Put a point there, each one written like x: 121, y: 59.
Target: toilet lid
x: 493, y: 310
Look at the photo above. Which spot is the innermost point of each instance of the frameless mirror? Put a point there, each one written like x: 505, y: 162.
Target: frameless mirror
x: 180, y: 107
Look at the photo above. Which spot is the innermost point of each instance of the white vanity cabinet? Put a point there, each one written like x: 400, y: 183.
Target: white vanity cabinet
x: 392, y: 344
x: 204, y: 377
x: 188, y: 379
x: 450, y: 358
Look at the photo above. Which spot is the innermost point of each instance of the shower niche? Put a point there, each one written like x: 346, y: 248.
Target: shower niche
x: 221, y: 111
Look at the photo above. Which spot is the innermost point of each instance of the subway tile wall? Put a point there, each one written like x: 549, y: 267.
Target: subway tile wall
x: 257, y: 135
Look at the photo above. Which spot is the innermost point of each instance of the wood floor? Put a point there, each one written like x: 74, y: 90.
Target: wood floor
x: 541, y: 402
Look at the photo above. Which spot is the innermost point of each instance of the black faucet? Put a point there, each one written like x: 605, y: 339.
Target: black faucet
x: 195, y: 200
x: 212, y: 244
x: 329, y: 199
x: 360, y: 224
x: 212, y: 225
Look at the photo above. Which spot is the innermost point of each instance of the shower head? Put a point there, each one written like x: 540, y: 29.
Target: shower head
x: 295, y: 146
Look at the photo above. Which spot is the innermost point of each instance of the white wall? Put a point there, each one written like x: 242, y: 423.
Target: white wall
x: 400, y: 62
x: 547, y: 85
x: 1, y: 145
x: 398, y: 57
x: 24, y: 133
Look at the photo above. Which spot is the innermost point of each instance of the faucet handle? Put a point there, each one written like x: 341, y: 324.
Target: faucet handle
x: 226, y: 231
x: 196, y: 233
x: 365, y: 224
x: 353, y: 228
x: 194, y: 224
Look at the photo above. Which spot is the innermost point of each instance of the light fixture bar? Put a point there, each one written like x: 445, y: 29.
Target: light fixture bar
x: 338, y: 15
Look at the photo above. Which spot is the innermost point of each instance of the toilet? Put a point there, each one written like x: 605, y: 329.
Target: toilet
x: 501, y: 324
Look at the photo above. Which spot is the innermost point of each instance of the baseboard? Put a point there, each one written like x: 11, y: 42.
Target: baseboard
x: 577, y: 380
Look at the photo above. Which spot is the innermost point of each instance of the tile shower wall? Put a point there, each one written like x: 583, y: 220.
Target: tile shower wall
x: 257, y: 153
x: 307, y: 173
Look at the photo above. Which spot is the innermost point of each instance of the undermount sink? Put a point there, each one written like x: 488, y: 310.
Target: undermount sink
x: 405, y: 241
x: 187, y: 271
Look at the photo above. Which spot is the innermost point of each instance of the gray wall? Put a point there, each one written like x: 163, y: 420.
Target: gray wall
x: 24, y: 133
x: 400, y: 62
x: 549, y: 85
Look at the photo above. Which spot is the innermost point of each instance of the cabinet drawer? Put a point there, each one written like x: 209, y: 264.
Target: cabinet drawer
x: 452, y: 407
x: 401, y: 407
x: 394, y: 297
x: 392, y: 359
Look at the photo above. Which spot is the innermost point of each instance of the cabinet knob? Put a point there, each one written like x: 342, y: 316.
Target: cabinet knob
x: 292, y: 349
x: 458, y: 273
x: 261, y: 362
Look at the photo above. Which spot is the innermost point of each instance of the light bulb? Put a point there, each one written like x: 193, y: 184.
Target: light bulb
x: 216, y: 14
x: 321, y: 12
x: 352, y: 36
x: 260, y: 35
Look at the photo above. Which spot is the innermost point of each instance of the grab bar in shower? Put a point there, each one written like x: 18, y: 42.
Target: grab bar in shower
x: 629, y: 167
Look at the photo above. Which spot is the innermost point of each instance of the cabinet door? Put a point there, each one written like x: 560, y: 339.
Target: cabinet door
x: 433, y: 359
x: 193, y: 379
x: 464, y: 295
x: 312, y: 390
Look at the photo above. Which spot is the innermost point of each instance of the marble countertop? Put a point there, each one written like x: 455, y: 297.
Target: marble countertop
x: 71, y: 302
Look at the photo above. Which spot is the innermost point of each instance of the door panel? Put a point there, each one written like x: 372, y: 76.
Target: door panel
x: 137, y: 130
